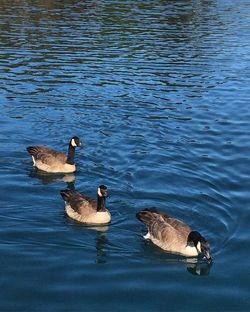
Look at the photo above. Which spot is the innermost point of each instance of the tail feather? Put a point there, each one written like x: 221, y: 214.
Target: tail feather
x: 147, y: 215
x: 67, y: 194
x: 31, y: 150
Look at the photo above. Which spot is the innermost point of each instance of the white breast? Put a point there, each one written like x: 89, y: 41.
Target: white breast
x: 102, y: 217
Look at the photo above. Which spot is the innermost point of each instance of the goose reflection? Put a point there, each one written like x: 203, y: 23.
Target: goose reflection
x: 47, y: 178
x: 196, y: 266
x: 100, y: 238
x: 101, y: 242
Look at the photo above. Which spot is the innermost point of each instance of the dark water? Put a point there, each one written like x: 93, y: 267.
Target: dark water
x: 159, y: 93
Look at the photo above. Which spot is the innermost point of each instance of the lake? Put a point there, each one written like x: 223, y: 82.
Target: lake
x: 158, y: 91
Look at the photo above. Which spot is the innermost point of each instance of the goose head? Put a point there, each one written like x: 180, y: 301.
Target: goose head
x: 75, y: 142
x: 102, y: 191
x: 200, y: 243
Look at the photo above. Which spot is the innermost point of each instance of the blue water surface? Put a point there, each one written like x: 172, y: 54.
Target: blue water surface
x: 159, y: 93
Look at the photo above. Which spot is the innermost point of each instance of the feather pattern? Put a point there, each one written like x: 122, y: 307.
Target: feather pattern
x: 81, y: 204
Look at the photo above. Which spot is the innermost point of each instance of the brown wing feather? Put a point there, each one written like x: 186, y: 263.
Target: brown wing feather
x: 46, y: 155
x: 80, y: 203
x: 163, y: 228
x: 177, y: 224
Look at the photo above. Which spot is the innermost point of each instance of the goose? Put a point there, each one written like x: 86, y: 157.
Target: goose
x: 173, y: 235
x: 52, y: 161
x: 85, y: 209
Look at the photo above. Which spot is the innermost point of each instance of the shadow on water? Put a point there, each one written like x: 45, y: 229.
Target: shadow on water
x: 48, y: 178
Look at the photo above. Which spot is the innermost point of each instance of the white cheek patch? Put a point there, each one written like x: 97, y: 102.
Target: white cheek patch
x: 199, y: 246
x: 99, y: 192
x: 73, y: 143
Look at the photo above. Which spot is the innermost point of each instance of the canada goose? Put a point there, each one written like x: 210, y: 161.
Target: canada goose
x: 85, y: 209
x: 51, y: 161
x: 173, y: 235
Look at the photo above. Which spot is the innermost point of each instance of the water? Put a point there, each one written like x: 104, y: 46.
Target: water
x: 159, y: 94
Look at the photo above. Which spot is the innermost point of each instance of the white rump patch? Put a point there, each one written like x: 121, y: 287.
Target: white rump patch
x: 147, y: 236
x: 73, y: 143
x: 34, y: 162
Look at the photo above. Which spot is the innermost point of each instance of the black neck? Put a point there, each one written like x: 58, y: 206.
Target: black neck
x: 71, y: 155
x: 193, y: 238
x: 101, y: 203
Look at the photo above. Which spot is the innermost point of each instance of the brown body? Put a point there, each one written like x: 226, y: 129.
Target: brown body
x: 49, y: 160
x: 169, y: 233
x: 84, y: 209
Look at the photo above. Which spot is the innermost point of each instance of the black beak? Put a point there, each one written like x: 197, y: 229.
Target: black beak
x: 207, y: 255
